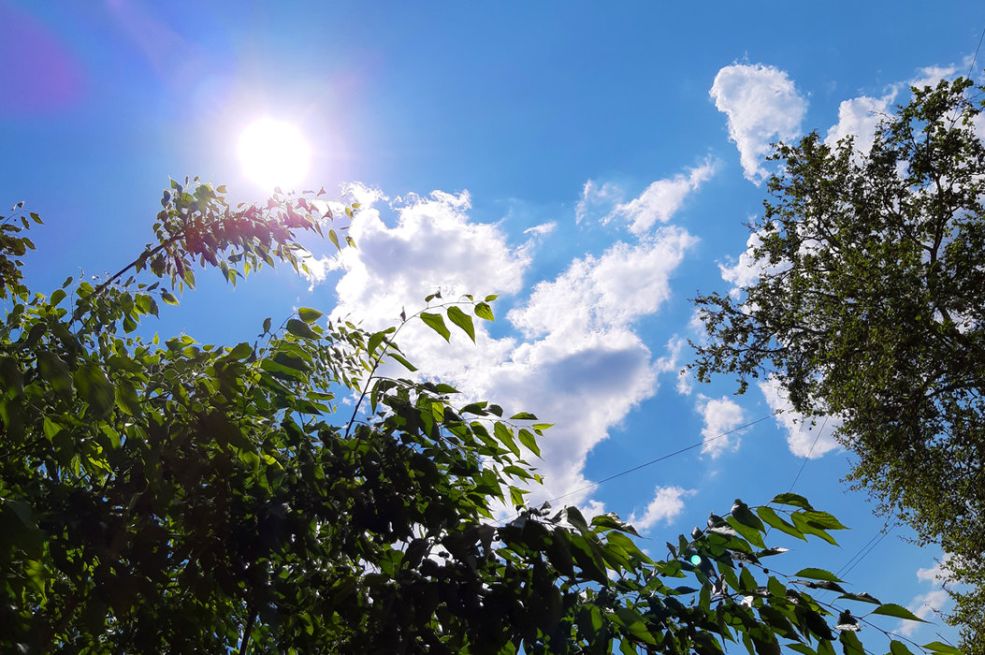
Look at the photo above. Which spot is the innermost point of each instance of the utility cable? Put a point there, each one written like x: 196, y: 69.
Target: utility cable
x: 662, y: 458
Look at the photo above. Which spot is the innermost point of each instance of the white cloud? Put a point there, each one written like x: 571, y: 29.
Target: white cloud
x: 316, y: 269
x: 927, y: 605
x: 671, y: 363
x: 924, y: 606
x: 666, y: 505
x: 606, y: 292
x: 541, y: 230
x: 662, y: 198
x: 433, y: 245
x: 859, y: 117
x: 931, y: 75
x: 747, y: 269
x: 801, y: 431
x: 719, y: 415
x: 762, y: 106
x: 579, y: 364
x: 585, y: 385
x: 597, y: 199
x: 935, y: 573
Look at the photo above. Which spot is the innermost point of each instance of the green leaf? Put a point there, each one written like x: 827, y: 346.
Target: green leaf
x: 529, y: 441
x: 898, y: 648
x: 751, y: 535
x: 10, y: 375
x: 942, y: 648
x: 436, y: 323
x: 484, y: 311
x: 309, y: 315
x: 374, y: 342
x: 744, y: 516
x: 850, y: 643
x: 523, y: 416
x: 801, y: 648
x: 505, y: 436
x: 772, y: 519
x: 240, y: 351
x: 862, y: 598
x: 897, y: 611
x: 126, y: 398
x: 334, y: 238
x: 55, y: 372
x: 168, y: 297
x: 792, y: 499
x: 635, y: 625
x: 823, y: 520
x: 403, y: 361
x: 56, y: 297
x: 462, y: 320
x: 817, y: 574
x: 50, y: 427
x: 301, y: 329
x: 95, y: 387
x: 807, y: 527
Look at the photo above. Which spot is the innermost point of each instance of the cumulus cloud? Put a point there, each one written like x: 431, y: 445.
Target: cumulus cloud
x: 924, y: 606
x: 859, y: 117
x: 578, y: 364
x: 931, y: 75
x: 928, y: 604
x: 662, y: 198
x: 610, y: 291
x: 719, y: 415
x: 806, y: 438
x: 666, y: 505
x: 762, y: 105
x: 935, y: 573
x: 586, y: 386
x: 747, y: 269
x: 316, y: 269
x: 671, y: 363
x: 433, y: 245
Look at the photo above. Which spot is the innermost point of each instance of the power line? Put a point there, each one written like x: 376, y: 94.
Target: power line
x: 974, y: 57
x: 655, y: 460
x: 807, y: 459
x: 848, y: 566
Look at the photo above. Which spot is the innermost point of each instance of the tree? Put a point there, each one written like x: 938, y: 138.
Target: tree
x: 870, y: 305
x: 172, y: 496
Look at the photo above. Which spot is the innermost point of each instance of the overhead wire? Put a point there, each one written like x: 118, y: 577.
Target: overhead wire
x: 661, y: 458
x: 809, y: 454
x: 974, y: 57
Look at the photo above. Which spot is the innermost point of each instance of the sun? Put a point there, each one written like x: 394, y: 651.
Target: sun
x: 274, y: 153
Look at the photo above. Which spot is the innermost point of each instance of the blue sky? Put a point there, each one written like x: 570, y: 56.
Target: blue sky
x: 609, y: 153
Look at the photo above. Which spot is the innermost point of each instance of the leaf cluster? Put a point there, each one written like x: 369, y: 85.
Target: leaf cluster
x: 165, y: 495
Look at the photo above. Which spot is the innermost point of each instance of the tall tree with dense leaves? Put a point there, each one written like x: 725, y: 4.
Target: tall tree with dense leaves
x: 169, y: 496
x: 870, y: 305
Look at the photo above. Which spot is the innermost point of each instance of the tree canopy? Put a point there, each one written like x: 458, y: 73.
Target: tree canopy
x: 870, y: 305
x: 165, y: 495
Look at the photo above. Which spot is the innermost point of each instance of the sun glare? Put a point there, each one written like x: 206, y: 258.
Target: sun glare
x: 274, y: 153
